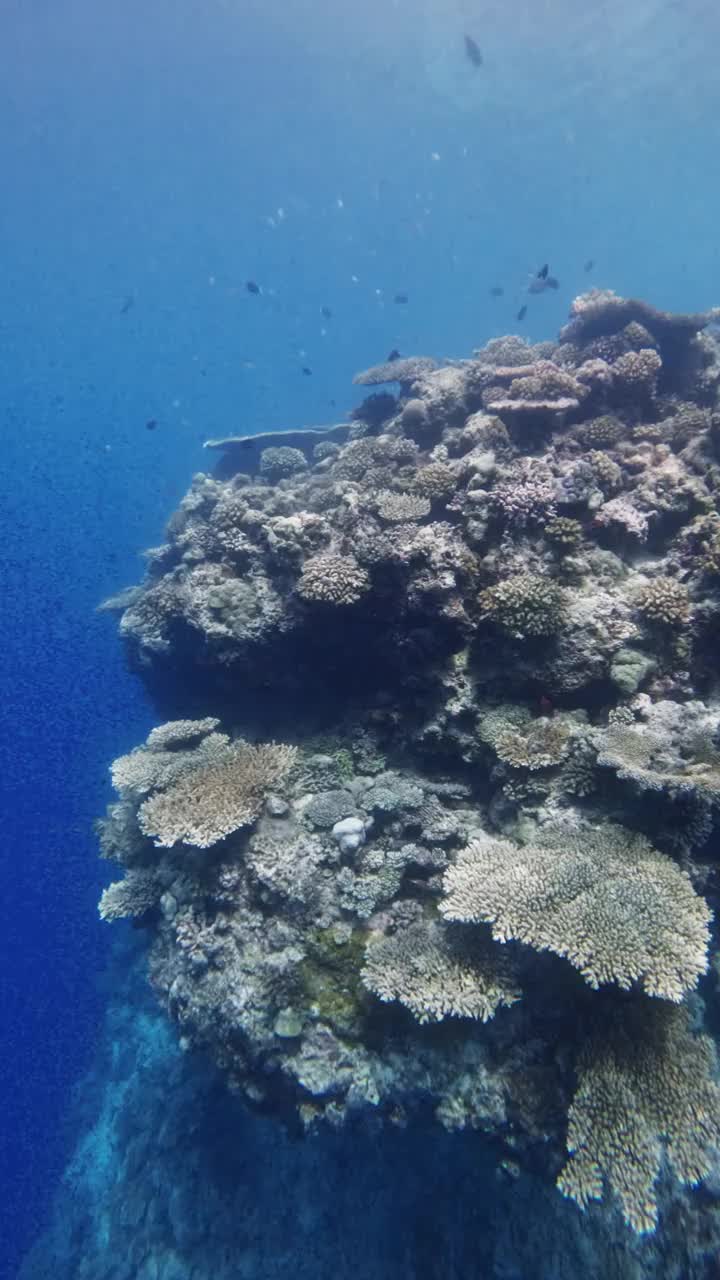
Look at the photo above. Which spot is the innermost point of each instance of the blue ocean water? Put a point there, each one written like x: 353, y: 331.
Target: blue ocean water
x: 155, y: 158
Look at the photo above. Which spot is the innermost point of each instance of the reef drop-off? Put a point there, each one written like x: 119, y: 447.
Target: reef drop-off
x: 427, y: 837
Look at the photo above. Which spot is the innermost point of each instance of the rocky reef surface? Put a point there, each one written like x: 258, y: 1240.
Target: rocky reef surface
x: 428, y: 834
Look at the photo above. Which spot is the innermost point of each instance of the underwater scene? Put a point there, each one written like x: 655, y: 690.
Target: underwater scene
x: 360, y: 628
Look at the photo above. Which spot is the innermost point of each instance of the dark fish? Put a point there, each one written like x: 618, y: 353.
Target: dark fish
x: 151, y: 424
x: 306, y: 371
x: 401, y: 298
x: 246, y: 444
x: 473, y: 52
x: 326, y: 312
x: 497, y: 291
x: 589, y: 264
x: 521, y: 313
x: 394, y: 355
x: 127, y: 304
x: 542, y: 273
x: 551, y: 282
x: 252, y: 287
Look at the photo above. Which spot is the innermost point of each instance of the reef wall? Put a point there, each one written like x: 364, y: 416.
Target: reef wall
x: 428, y: 845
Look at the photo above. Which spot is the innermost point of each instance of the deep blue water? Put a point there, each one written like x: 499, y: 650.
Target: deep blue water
x: 156, y: 156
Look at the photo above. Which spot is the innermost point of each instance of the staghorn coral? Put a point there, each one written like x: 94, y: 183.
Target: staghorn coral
x: 524, y: 606
x: 439, y: 971
x: 332, y: 579
x: 210, y: 802
x: 604, y: 899
x: 646, y: 1089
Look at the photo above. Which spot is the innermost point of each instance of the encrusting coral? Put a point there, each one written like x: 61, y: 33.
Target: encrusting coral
x: 485, y: 613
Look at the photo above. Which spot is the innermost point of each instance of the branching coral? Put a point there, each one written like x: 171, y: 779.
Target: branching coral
x: 539, y: 746
x: 401, y: 508
x: 564, y: 533
x: 664, y: 602
x: 524, y: 605
x: 637, y: 372
x: 435, y: 480
x: 209, y: 803
x: 281, y: 461
x: 527, y: 496
x: 664, y: 746
x: 646, y: 1086
x: 439, y: 971
x: 332, y: 579
x: 137, y: 893
x: 617, y: 909
x: 171, y: 750
x: 404, y: 370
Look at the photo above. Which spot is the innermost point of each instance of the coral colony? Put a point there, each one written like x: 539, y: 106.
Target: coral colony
x: 443, y: 747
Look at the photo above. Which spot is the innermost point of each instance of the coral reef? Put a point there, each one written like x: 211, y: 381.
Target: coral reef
x: 481, y: 877
x: 644, y: 1086
x: 606, y: 900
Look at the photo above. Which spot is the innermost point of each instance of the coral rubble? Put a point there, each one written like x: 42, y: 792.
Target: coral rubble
x: 452, y: 756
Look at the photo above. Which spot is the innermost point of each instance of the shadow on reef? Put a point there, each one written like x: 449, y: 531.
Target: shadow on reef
x: 431, y: 830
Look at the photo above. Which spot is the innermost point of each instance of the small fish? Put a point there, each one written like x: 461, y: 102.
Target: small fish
x: 127, y: 304
x: 473, y: 51
x: 307, y: 371
x: 394, y: 355
x: 401, y: 298
x: 522, y: 313
x: 252, y: 287
x: 326, y: 312
x: 589, y: 264
x: 540, y: 283
x: 497, y: 291
x: 542, y: 273
x: 151, y: 424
